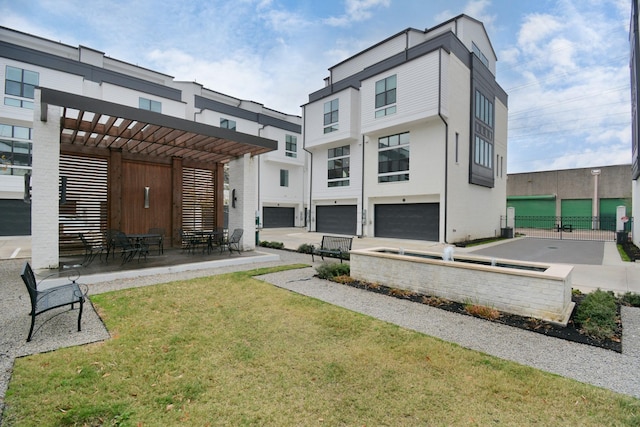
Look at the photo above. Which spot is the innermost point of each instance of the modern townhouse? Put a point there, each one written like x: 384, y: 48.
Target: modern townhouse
x: 126, y: 133
x: 634, y: 65
x: 408, y: 138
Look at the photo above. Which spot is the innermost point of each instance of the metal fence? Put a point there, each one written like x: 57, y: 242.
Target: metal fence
x: 570, y: 227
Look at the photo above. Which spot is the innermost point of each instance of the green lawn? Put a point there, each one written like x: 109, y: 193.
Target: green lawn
x: 232, y: 350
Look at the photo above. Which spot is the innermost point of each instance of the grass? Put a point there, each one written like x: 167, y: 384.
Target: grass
x: 232, y: 350
x: 623, y: 253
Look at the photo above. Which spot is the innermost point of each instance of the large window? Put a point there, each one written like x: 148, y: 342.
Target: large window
x: 483, y: 153
x: 291, y: 146
x: 479, y: 54
x: 393, y: 158
x: 228, y: 124
x: 484, y: 109
x: 331, y: 116
x: 338, y: 167
x: 483, y: 138
x: 15, y: 150
x: 20, y: 83
x: 386, y: 96
x: 284, y: 178
x: 148, y: 104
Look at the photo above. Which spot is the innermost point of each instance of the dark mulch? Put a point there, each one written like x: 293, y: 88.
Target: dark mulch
x: 571, y: 332
x: 632, y: 251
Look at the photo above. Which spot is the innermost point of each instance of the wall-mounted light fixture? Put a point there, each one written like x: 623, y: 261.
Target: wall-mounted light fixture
x: 146, y: 197
x: 233, y: 198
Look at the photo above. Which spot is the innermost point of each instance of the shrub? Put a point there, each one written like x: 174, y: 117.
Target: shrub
x: 273, y: 245
x: 631, y: 298
x: 331, y: 270
x: 483, y: 311
x: 597, y: 314
x: 305, y: 248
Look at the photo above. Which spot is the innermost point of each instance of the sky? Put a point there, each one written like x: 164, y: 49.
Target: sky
x: 564, y: 64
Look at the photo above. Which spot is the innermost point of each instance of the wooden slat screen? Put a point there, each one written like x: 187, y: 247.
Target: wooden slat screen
x: 85, y: 210
x: 198, y: 202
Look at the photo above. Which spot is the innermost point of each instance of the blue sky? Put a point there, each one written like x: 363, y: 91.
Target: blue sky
x: 563, y: 63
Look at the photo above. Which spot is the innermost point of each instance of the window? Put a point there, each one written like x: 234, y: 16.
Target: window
x: 148, y: 104
x: 484, y: 109
x: 393, y: 158
x: 386, y: 96
x: 20, y: 83
x: 284, y: 178
x: 338, y: 167
x: 479, y: 54
x: 291, y: 146
x: 331, y: 116
x: 228, y: 124
x: 483, y: 153
x: 15, y: 150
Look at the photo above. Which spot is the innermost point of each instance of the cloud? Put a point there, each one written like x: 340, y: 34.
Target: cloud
x: 356, y: 11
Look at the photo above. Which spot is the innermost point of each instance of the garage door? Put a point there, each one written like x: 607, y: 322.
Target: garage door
x: 527, y: 206
x: 577, y: 212
x: 417, y: 221
x: 278, y: 217
x: 16, y: 218
x: 337, y: 219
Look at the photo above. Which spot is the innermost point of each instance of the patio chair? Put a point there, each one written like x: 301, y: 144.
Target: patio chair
x: 233, y: 242
x: 91, y: 250
x: 127, y: 249
x: 156, y: 241
x: 43, y: 300
x: 109, y: 241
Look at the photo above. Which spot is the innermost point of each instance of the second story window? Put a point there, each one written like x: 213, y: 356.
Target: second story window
x: 228, y: 124
x: 291, y: 146
x: 386, y: 96
x: 15, y: 150
x: 393, y: 158
x: 148, y: 104
x: 331, y: 116
x: 338, y: 167
x: 284, y: 178
x: 20, y: 83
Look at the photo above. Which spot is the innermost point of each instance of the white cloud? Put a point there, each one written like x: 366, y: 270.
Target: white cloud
x: 356, y: 11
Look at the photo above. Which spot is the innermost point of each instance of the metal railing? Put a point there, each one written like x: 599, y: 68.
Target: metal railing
x: 569, y: 227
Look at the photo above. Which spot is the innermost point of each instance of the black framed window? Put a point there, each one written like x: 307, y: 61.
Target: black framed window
x: 393, y: 158
x: 15, y: 150
x: 338, y: 166
x: 331, y: 116
x: 291, y: 146
x: 228, y: 124
x: 20, y: 83
x: 386, y: 96
x: 149, y: 104
x: 284, y: 178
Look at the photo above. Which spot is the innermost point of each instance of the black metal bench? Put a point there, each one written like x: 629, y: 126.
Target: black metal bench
x: 336, y: 246
x: 50, y: 298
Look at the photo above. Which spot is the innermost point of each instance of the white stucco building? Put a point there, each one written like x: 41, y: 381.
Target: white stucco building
x: 408, y: 138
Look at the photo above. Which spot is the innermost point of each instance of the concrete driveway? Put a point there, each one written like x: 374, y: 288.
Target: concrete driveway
x: 546, y: 250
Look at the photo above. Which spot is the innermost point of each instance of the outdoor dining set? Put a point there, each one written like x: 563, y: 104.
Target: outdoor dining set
x: 139, y: 245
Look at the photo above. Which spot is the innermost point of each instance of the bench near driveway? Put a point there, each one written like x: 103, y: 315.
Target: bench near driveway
x: 335, y: 246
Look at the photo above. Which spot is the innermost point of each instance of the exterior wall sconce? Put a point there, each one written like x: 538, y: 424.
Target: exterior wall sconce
x: 146, y: 197
x: 234, y: 199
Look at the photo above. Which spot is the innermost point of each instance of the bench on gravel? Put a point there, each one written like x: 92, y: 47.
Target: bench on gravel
x: 43, y: 300
x: 336, y: 246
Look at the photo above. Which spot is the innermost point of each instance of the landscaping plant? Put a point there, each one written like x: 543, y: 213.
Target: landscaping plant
x: 597, y: 314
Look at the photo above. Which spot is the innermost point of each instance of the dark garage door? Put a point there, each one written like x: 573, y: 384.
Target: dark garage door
x: 336, y: 219
x: 15, y: 218
x: 278, y: 217
x: 416, y: 221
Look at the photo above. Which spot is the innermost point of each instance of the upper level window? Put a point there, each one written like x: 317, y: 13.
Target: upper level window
x: 386, y: 96
x: 331, y: 116
x: 228, y: 124
x: 484, y: 109
x: 284, y: 178
x: 338, y: 166
x: 291, y: 146
x: 393, y: 158
x: 148, y: 104
x: 15, y: 150
x: 479, y: 54
x: 483, y: 153
x: 20, y: 83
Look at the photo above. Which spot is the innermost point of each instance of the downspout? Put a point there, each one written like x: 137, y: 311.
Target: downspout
x: 363, y: 218
x: 259, y: 163
x: 304, y: 143
x: 446, y: 145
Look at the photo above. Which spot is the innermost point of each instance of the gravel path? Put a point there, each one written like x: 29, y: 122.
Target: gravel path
x: 603, y: 368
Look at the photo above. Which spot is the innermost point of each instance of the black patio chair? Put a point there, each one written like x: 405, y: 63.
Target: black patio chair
x: 43, y: 300
x: 233, y: 242
x: 156, y: 241
x: 91, y: 250
x: 128, y: 250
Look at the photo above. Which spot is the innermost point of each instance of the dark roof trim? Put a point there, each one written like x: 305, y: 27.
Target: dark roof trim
x: 83, y: 103
x: 263, y: 119
x: 88, y: 71
x: 446, y: 41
